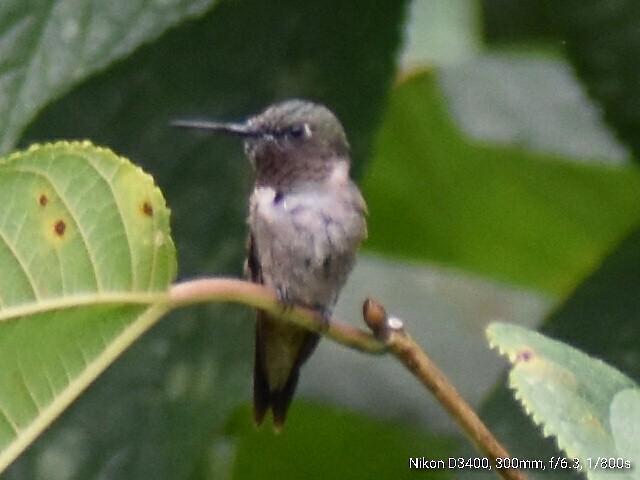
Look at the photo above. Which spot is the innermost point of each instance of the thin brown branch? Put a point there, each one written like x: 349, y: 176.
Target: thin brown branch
x: 263, y: 298
x: 389, y: 335
x: 407, y: 351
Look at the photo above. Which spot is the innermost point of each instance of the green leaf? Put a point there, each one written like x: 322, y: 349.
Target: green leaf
x: 441, y: 33
x: 591, y: 319
x: 598, y: 37
x: 602, y: 307
x: 344, y: 445
x: 564, y: 390
x: 529, y: 102
x: 509, y: 21
x: 531, y: 219
x: 86, y: 259
x: 601, y: 41
x: 625, y: 425
x: 51, y: 45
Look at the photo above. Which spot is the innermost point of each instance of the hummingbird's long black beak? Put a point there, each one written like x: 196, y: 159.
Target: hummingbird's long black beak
x: 238, y: 129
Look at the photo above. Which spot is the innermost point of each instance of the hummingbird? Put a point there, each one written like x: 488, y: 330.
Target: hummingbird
x: 306, y: 222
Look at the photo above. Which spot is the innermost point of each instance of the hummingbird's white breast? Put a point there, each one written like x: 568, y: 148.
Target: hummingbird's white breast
x: 306, y: 240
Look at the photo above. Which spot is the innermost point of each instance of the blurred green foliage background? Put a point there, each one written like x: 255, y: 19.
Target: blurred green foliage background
x: 496, y: 143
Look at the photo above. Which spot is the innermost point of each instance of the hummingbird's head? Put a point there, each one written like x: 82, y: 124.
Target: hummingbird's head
x: 296, y: 127
x: 292, y: 141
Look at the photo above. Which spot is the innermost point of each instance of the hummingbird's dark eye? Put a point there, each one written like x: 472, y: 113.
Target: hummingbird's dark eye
x: 297, y: 131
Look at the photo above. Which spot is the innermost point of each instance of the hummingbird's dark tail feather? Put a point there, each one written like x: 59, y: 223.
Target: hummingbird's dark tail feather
x: 276, y: 399
x: 261, y: 392
x: 280, y: 400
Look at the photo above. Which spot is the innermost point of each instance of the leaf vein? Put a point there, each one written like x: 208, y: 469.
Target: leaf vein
x: 127, y: 233
x: 23, y: 378
x: 22, y: 264
x: 13, y: 424
x: 78, y: 224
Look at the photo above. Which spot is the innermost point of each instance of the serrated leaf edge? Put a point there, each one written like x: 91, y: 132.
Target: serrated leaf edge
x: 560, y: 439
x: 157, y: 301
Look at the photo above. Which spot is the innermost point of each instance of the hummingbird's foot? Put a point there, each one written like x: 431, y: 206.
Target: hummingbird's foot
x: 323, y: 315
x: 326, y: 320
x: 284, y: 298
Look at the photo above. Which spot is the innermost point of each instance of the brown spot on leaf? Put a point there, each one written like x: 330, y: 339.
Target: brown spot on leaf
x: 524, y: 355
x: 60, y: 227
x: 43, y: 200
x: 147, y: 209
